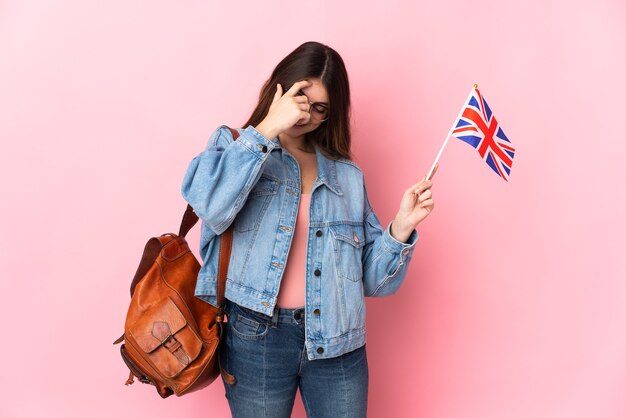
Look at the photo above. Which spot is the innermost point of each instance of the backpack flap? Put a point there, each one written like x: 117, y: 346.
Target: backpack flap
x: 163, y: 334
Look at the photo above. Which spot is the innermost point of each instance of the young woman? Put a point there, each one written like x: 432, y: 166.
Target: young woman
x: 307, y: 245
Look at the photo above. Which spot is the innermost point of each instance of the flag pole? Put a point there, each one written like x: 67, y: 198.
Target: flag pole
x: 432, y: 168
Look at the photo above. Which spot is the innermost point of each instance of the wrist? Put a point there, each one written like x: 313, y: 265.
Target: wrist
x: 267, y: 131
x: 400, y: 232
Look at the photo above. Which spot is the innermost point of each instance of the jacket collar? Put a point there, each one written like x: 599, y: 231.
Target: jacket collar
x: 326, y: 169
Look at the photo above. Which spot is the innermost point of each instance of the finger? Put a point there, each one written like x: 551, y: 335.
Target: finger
x: 304, y: 117
x: 414, y: 187
x: 420, y: 187
x: 297, y: 86
x: 427, y: 204
x: 424, y: 196
x: 278, y: 94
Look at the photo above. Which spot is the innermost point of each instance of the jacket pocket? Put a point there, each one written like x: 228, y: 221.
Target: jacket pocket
x: 348, y: 241
x: 251, y: 215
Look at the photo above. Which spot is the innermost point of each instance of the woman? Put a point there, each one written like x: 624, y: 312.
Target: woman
x: 307, y: 245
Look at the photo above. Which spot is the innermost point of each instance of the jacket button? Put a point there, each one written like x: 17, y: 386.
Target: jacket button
x: 317, y: 312
x: 319, y: 233
x: 317, y: 272
x: 264, y: 149
x: 320, y: 350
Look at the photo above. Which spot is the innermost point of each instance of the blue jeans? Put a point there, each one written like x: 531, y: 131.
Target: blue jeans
x: 267, y: 356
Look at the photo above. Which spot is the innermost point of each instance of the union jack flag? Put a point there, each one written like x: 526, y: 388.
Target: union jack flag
x: 478, y: 127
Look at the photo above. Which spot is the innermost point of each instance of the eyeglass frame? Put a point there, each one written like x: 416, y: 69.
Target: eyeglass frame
x: 311, y: 104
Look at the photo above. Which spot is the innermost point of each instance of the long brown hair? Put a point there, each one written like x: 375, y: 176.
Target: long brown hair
x: 314, y: 60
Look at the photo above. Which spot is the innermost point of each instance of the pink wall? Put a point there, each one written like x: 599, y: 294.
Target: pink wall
x: 514, y: 303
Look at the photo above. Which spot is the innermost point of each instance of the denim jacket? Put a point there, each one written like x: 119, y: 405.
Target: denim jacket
x: 255, y: 183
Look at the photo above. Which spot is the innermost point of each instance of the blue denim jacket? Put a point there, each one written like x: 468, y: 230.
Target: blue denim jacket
x: 255, y: 183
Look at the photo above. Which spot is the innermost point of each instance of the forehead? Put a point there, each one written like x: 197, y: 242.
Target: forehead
x: 316, y: 92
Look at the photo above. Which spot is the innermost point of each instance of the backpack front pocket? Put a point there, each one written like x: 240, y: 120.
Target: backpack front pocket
x: 166, y: 339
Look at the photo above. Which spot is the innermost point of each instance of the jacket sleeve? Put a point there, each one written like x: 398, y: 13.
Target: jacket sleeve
x: 219, y: 179
x: 385, y: 259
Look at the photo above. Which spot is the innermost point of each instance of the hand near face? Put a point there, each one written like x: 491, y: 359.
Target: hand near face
x: 286, y: 110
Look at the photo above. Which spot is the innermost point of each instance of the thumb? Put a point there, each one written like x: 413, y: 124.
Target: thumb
x: 278, y: 94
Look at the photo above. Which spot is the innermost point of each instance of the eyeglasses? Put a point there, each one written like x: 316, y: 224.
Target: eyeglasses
x: 319, y: 111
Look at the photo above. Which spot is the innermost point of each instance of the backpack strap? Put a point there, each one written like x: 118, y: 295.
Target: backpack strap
x: 226, y: 239
x: 226, y: 242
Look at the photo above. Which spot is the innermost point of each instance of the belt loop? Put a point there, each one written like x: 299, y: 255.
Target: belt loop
x: 275, y: 317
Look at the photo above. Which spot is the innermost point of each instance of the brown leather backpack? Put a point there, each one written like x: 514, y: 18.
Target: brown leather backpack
x: 171, y: 337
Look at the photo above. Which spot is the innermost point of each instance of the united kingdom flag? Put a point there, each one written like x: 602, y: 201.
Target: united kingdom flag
x: 478, y: 127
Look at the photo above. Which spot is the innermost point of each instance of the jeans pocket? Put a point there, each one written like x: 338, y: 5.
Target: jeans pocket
x: 246, y: 325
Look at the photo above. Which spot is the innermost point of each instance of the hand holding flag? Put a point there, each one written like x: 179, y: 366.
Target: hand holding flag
x: 416, y: 204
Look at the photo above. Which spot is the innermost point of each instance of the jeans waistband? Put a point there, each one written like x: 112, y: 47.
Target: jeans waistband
x: 288, y: 315
x: 279, y: 316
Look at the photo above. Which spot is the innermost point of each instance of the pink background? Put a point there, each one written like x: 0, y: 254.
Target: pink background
x: 514, y: 302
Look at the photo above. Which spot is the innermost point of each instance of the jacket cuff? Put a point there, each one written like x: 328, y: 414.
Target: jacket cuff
x: 392, y: 245
x: 254, y: 141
